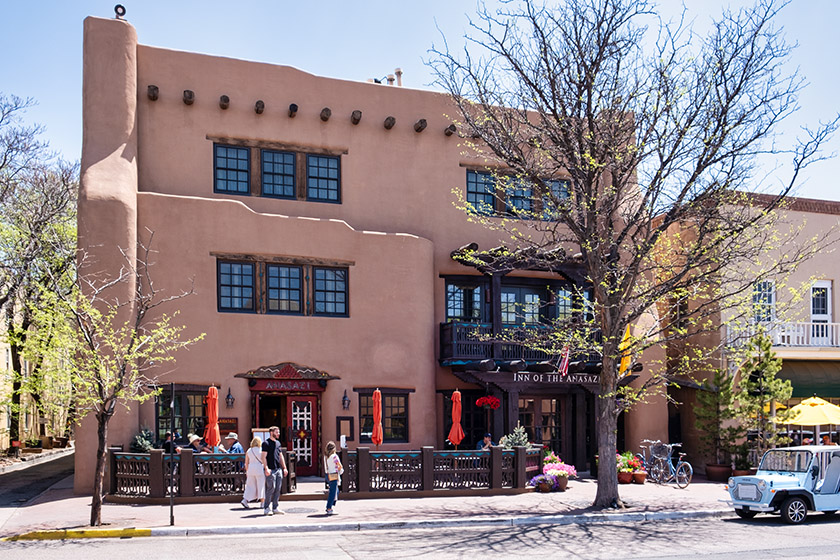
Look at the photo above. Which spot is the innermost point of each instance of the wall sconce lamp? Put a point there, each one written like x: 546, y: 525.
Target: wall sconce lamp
x: 345, y: 401
x: 229, y: 399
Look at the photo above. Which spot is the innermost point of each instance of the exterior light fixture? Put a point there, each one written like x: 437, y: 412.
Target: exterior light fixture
x: 345, y: 401
x: 229, y: 399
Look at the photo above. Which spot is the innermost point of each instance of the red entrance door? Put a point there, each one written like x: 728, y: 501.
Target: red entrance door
x: 301, y: 423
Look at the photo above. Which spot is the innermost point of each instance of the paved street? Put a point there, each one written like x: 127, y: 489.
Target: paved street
x: 729, y: 539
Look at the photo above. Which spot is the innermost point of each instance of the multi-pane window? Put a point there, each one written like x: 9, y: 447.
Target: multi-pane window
x: 521, y: 306
x: 232, y: 169
x: 394, y: 417
x: 236, y: 286
x: 531, y: 309
x: 481, y: 191
x: 764, y: 301
x: 463, y: 302
x: 330, y: 292
x: 189, y: 414
x: 322, y: 178
x: 559, y: 189
x: 300, y: 288
x: 563, y: 304
x: 278, y: 174
x: 819, y: 300
x: 519, y: 198
x: 283, y: 289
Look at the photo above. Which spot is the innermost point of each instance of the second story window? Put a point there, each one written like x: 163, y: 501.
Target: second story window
x: 330, y: 291
x: 232, y: 170
x: 236, y: 286
x: 519, y: 197
x: 322, y: 178
x: 284, y: 289
x: 490, y: 194
x: 764, y: 301
x: 463, y: 302
x: 481, y: 192
x: 278, y: 174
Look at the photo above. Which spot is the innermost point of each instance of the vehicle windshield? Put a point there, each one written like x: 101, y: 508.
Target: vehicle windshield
x: 785, y: 460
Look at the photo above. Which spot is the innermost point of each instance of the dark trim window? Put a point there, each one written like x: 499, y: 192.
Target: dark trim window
x: 559, y: 189
x: 519, y: 198
x: 322, y: 178
x: 330, y: 291
x: 232, y: 169
x: 190, y: 414
x: 296, y: 288
x: 481, y: 191
x: 463, y: 302
x: 284, y: 289
x: 278, y: 174
x: 236, y: 286
x: 394, y: 416
x: 764, y: 301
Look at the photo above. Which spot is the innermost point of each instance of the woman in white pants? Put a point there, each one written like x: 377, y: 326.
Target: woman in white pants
x: 255, y: 471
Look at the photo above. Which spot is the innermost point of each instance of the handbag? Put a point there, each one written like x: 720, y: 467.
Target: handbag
x: 332, y: 476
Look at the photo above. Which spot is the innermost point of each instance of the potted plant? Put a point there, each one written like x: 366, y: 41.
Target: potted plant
x: 561, y: 473
x: 626, y: 463
x: 742, y: 464
x: 715, y: 422
x: 543, y: 482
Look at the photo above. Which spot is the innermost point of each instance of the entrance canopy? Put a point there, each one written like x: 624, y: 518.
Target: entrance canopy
x: 813, y: 377
x: 287, y: 376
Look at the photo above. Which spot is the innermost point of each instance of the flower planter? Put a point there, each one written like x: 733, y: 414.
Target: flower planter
x: 562, y: 482
x: 718, y: 473
x: 625, y: 477
x: 639, y: 477
x: 543, y: 487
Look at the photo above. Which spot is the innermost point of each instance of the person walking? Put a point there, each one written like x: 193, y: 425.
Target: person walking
x: 334, y: 471
x: 255, y: 473
x: 273, y: 458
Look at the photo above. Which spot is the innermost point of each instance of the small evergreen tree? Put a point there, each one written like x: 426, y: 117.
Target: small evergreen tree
x: 758, y: 390
x: 715, y: 414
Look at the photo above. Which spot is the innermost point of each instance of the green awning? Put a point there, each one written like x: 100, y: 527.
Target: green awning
x: 812, y: 377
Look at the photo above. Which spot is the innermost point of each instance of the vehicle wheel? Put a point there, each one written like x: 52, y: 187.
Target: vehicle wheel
x: 745, y: 513
x: 684, y: 474
x: 794, y: 510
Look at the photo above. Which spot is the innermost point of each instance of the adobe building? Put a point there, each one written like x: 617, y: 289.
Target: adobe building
x: 316, y: 222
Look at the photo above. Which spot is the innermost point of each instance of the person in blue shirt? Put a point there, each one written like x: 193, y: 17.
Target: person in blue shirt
x: 486, y: 443
x: 232, y: 443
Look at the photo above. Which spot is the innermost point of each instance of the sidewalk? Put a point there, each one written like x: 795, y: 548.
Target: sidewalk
x: 58, y: 513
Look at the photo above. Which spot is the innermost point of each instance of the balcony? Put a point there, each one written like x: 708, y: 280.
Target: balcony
x: 472, y: 342
x: 790, y: 335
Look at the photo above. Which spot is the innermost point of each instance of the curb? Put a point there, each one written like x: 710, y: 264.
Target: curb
x: 582, y: 519
x: 37, y: 459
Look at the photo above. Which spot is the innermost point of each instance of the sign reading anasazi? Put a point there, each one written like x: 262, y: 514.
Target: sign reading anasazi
x: 550, y: 378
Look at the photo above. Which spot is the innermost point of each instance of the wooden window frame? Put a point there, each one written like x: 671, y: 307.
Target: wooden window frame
x: 255, y: 283
x: 386, y: 392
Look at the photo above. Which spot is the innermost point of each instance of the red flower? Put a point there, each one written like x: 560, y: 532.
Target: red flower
x: 489, y: 401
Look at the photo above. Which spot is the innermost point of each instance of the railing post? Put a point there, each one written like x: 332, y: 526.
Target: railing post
x: 363, y: 468
x: 495, y: 467
x: 187, y: 474
x: 427, y: 459
x: 156, y: 482
x: 519, y: 467
x: 112, y: 471
x: 344, y: 457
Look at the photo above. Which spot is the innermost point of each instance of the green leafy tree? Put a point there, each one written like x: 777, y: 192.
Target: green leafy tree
x: 715, y: 415
x: 110, y: 348
x: 758, y: 392
x: 638, y: 151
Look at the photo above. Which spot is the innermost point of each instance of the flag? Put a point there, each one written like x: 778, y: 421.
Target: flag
x: 624, y: 354
x: 564, y: 362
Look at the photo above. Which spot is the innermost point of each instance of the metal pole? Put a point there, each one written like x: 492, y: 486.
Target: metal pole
x: 171, y: 453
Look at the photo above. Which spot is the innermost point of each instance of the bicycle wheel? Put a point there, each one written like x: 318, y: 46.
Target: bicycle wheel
x: 656, y: 472
x: 684, y: 474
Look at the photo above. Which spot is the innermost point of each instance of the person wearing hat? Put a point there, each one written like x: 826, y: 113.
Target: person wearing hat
x: 232, y: 443
x: 197, y: 446
x: 486, y: 443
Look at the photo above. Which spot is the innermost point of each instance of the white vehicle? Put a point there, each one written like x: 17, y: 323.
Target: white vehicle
x: 791, y: 481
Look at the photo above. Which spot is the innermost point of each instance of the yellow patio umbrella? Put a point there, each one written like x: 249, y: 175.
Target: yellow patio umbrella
x: 815, y: 411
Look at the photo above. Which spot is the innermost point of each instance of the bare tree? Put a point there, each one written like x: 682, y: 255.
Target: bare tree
x: 37, y: 236
x: 658, y: 139
x: 110, y: 346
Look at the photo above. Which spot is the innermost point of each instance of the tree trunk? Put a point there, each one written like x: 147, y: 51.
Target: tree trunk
x: 607, y: 424
x: 99, y: 472
x: 15, y: 432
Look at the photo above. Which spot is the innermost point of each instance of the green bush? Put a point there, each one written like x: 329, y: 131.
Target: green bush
x: 142, y: 442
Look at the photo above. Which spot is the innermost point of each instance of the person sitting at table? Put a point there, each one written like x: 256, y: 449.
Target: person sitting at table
x: 197, y: 445
x: 486, y: 443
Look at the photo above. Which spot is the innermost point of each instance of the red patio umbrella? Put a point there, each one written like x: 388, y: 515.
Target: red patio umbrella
x: 456, y: 434
x: 376, y: 436
x: 211, y: 432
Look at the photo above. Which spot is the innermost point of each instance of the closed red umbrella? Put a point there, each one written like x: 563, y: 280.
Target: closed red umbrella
x: 456, y: 434
x: 376, y: 436
x: 211, y: 432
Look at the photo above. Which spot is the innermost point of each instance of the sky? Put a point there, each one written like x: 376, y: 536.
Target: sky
x: 41, y: 46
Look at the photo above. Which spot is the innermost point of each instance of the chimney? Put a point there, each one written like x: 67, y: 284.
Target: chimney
x: 398, y: 72
x: 390, y: 79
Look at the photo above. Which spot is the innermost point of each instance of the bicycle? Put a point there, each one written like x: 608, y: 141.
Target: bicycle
x: 664, y: 470
x: 642, y: 457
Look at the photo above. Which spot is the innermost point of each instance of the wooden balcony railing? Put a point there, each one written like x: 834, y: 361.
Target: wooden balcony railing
x: 803, y: 334
x: 473, y: 342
